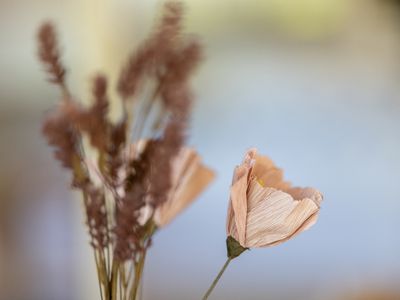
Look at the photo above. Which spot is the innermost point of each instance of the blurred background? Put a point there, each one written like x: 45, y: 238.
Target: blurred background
x: 314, y: 84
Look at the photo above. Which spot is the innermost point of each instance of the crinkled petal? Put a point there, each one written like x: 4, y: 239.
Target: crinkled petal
x: 306, y: 225
x: 268, y: 174
x: 189, y: 179
x: 237, y: 209
x: 300, y: 193
x: 274, y: 215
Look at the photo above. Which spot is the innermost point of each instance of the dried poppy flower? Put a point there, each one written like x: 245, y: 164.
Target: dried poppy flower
x: 264, y: 210
x: 189, y: 178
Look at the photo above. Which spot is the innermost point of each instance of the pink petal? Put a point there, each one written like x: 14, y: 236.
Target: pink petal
x: 189, y: 179
x: 274, y: 215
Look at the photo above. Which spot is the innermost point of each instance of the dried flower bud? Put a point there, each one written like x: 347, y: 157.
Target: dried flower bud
x: 96, y: 214
x: 264, y: 210
x: 49, y: 53
x: 151, y: 55
x: 93, y: 120
x: 60, y: 134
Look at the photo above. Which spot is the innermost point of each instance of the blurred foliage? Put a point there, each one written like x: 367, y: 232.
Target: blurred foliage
x: 297, y: 18
x: 307, y: 18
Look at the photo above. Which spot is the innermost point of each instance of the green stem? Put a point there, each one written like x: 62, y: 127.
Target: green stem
x: 99, y: 281
x: 139, y: 266
x: 214, y: 283
x: 114, y: 280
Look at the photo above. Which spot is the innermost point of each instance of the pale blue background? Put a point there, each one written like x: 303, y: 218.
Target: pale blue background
x: 325, y: 109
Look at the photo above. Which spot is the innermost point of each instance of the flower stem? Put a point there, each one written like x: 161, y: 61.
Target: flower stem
x: 139, y: 266
x: 214, y: 283
x: 114, y: 280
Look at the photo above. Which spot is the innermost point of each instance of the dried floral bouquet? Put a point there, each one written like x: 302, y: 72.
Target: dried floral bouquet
x: 136, y: 175
x: 137, y: 182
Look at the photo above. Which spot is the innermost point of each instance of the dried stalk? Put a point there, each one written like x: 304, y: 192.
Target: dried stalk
x: 214, y: 283
x: 119, y: 241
